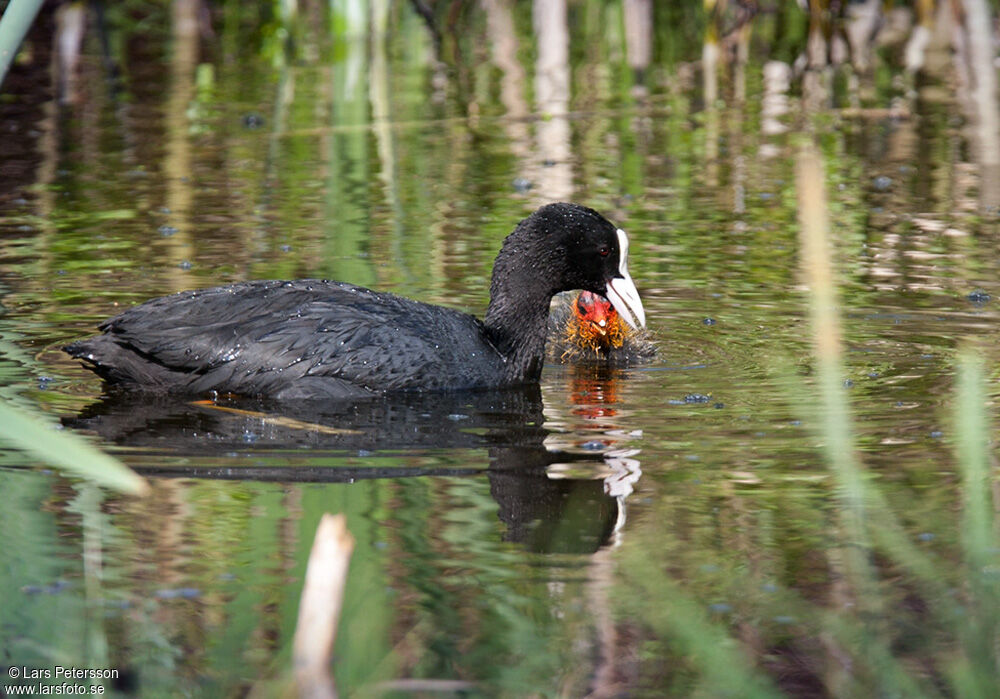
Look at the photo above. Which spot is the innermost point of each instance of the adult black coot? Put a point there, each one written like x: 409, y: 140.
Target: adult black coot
x: 585, y: 327
x: 331, y: 340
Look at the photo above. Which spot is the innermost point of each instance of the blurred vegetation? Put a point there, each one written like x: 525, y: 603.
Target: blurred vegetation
x: 191, y: 144
x: 21, y: 430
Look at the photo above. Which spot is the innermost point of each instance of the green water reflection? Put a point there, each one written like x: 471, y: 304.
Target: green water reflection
x: 668, y: 530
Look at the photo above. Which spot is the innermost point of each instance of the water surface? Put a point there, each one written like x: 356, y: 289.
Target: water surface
x: 548, y: 542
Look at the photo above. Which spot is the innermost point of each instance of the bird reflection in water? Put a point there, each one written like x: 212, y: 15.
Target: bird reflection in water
x: 550, y: 499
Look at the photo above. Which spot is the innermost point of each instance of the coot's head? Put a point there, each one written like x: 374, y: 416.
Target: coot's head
x: 568, y: 246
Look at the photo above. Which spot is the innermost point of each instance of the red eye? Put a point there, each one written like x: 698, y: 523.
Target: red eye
x: 603, y: 252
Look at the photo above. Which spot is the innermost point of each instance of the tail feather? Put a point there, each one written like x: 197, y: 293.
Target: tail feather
x: 117, y: 364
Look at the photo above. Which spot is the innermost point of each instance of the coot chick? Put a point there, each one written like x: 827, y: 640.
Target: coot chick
x: 332, y: 340
x: 586, y: 327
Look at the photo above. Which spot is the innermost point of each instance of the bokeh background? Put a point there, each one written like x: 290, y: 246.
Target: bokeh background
x: 679, y: 528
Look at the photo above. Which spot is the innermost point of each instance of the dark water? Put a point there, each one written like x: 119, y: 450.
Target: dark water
x: 604, y: 533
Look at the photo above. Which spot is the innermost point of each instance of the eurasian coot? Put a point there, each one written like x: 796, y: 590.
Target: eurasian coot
x: 332, y: 340
x: 586, y: 327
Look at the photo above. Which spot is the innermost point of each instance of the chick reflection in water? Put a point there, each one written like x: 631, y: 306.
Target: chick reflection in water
x: 594, y: 345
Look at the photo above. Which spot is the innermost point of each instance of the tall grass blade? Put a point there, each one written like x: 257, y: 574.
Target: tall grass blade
x: 975, y: 675
x: 65, y: 450
x: 14, y: 26
x: 817, y: 269
x: 835, y: 418
x: 723, y: 669
x: 972, y: 434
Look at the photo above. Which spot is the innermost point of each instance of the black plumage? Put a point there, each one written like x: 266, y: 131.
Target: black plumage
x: 331, y: 340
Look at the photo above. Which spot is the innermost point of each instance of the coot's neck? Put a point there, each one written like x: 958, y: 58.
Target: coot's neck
x: 517, y: 318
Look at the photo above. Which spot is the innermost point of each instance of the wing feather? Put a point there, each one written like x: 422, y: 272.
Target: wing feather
x: 334, y: 337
